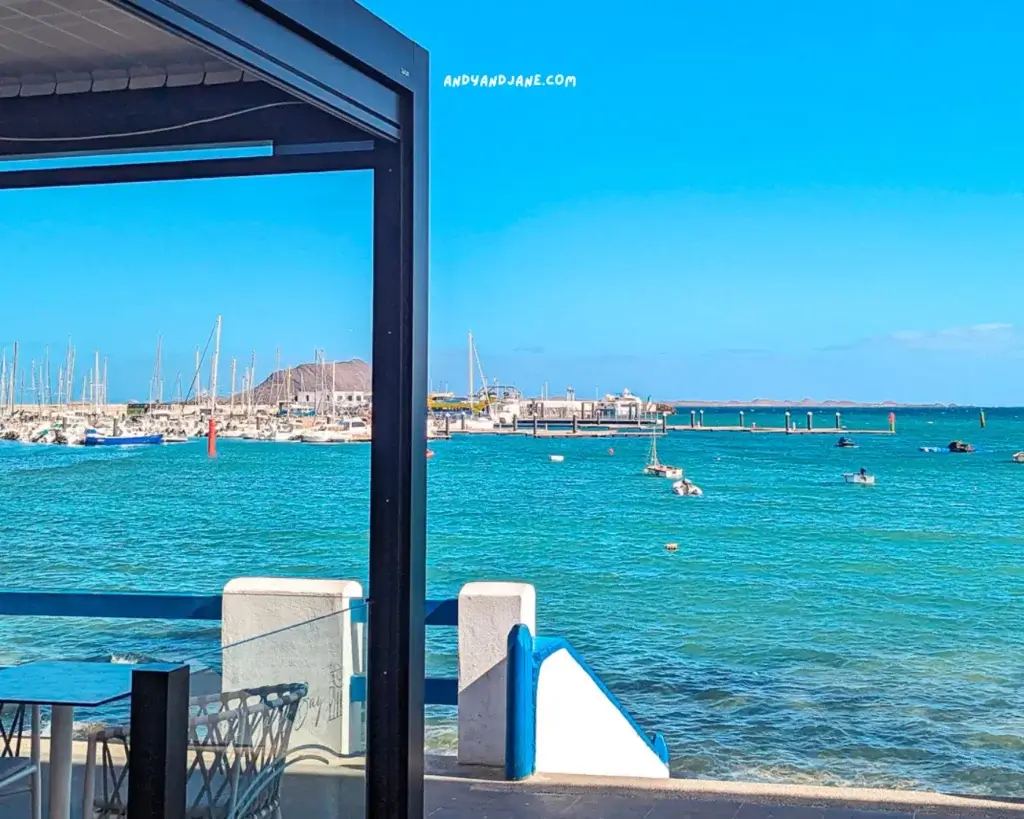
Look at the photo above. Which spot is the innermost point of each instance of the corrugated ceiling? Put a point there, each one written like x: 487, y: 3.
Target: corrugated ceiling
x: 75, y: 46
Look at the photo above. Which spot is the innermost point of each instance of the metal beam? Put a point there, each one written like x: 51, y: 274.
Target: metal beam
x: 354, y: 33
x: 395, y: 662
x: 111, y: 604
x: 241, y: 34
x: 167, y: 118
x: 196, y: 169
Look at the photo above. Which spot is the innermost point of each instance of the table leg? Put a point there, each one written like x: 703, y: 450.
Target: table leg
x: 62, y: 720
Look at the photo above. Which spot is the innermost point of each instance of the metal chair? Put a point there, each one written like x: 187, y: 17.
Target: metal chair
x: 238, y: 744
x: 15, y: 768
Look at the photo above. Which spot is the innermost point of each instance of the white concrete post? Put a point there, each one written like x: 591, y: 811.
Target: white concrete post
x: 487, y: 613
x: 279, y: 630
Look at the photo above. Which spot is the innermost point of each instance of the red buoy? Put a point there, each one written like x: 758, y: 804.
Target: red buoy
x: 211, y: 439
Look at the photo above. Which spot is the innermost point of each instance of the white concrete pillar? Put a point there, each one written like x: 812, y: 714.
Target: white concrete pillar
x: 487, y: 613
x: 282, y: 630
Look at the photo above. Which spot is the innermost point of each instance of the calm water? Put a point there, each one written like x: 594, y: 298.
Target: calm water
x: 805, y: 631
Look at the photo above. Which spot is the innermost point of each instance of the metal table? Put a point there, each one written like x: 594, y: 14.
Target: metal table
x: 64, y: 686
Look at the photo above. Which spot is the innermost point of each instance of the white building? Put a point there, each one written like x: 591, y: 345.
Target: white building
x: 325, y: 399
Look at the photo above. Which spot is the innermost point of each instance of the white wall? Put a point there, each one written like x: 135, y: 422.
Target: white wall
x: 487, y: 613
x: 580, y: 731
x: 277, y: 630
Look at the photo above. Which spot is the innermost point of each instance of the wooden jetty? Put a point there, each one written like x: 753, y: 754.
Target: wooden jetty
x: 779, y: 430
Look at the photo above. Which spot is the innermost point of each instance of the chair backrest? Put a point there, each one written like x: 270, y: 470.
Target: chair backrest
x: 238, y: 742
x: 12, y: 729
x: 239, y: 746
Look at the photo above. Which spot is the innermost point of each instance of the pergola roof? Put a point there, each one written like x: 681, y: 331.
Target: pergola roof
x: 77, y: 43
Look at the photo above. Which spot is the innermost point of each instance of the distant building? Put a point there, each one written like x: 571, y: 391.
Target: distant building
x: 326, y: 399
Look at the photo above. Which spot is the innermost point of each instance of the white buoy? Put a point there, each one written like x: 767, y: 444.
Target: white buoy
x: 557, y: 459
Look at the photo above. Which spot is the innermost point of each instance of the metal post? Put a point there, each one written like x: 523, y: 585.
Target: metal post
x: 575, y: 428
x: 158, y: 755
x: 742, y: 424
x: 701, y: 418
x: 788, y: 417
x: 810, y: 421
x: 534, y: 426
x: 396, y: 642
x: 839, y: 420
x: 693, y: 419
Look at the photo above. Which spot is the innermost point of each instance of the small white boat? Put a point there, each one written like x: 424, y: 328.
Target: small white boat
x: 556, y: 459
x: 175, y: 438
x: 655, y: 468
x: 859, y: 477
x: 687, y: 489
x: 1018, y: 457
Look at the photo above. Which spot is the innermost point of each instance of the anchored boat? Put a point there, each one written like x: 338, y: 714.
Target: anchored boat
x: 655, y: 468
x: 862, y: 477
x: 93, y: 438
x: 687, y: 489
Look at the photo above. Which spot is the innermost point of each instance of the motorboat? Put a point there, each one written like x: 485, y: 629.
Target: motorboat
x: 94, y: 438
x: 175, y: 438
x: 1018, y: 457
x: 960, y: 447
x: 846, y: 443
x: 862, y: 478
x: 687, y: 489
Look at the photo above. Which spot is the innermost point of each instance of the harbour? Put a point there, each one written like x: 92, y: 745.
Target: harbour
x: 800, y: 618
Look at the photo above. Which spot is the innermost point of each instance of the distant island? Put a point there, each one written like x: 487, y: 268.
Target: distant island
x: 810, y: 403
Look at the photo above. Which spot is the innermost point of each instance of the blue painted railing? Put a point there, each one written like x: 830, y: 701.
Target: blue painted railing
x: 525, y: 656
x: 157, y: 606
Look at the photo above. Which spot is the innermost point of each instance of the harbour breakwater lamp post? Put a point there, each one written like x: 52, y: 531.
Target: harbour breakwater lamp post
x: 303, y: 86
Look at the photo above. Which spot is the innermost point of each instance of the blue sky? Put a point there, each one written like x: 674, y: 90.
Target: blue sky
x: 791, y: 201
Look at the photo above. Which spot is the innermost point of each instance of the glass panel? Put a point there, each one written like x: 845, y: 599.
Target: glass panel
x: 324, y: 660
x: 276, y: 720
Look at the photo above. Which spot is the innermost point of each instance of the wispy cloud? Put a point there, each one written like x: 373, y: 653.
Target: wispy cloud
x: 991, y: 339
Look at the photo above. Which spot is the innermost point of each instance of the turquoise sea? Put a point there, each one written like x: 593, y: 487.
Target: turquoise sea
x: 805, y: 630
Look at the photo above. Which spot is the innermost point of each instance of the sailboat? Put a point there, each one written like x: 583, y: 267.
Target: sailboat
x: 655, y: 468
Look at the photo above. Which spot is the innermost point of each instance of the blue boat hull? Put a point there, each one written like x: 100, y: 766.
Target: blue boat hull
x: 100, y: 440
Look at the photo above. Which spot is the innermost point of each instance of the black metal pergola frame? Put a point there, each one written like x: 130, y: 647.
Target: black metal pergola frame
x: 337, y: 89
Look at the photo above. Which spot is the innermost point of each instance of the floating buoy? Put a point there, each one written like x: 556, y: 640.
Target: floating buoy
x: 430, y: 454
x: 611, y: 450
x: 671, y: 547
x: 557, y: 459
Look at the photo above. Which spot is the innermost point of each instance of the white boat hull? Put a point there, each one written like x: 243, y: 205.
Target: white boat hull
x: 687, y: 490
x: 863, y: 480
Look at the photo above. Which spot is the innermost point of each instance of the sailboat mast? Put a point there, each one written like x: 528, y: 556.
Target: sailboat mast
x: 252, y: 383
x: 105, y: 402
x: 46, y: 374
x: 233, y: 365
x: 277, y: 378
x: 213, y: 367
x: 96, y: 379
x: 196, y: 386
x: 156, y: 391
x: 469, y: 394
x: 69, y: 373
x: 14, y: 375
